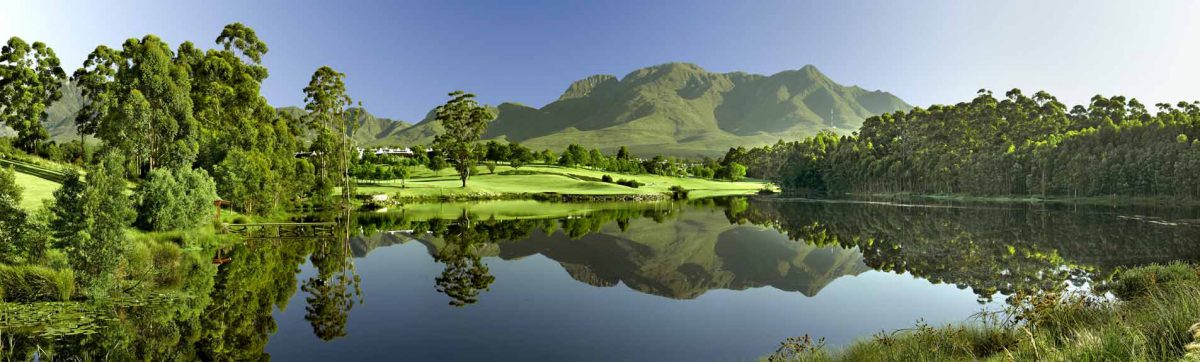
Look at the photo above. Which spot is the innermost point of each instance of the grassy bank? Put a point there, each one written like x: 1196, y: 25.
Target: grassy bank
x: 1153, y: 320
x: 534, y: 179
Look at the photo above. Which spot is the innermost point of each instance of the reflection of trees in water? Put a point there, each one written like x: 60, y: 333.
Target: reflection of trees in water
x: 987, y: 249
x: 464, y: 275
x: 332, y: 290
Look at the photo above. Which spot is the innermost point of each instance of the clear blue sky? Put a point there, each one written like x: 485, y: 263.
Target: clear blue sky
x: 402, y: 57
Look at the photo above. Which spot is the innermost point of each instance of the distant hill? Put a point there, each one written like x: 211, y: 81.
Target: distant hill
x: 681, y: 109
x: 60, y: 116
x: 674, y: 108
x: 370, y: 128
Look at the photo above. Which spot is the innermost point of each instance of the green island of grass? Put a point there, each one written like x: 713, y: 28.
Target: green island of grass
x: 507, y: 182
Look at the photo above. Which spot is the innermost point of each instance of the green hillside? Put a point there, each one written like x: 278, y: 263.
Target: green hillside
x: 369, y: 129
x: 682, y: 109
x: 60, y: 116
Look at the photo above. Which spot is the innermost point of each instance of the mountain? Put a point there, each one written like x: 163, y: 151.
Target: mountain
x: 369, y: 129
x: 681, y: 109
x: 673, y: 109
x: 60, y: 115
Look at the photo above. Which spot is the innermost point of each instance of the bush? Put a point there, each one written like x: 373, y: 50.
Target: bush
x: 629, y: 183
x: 606, y: 179
x: 177, y: 200
x: 31, y: 283
x: 678, y: 193
x: 241, y: 220
x: 1137, y: 282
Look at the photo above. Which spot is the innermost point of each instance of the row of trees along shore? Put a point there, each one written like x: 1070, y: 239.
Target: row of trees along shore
x: 385, y: 167
x: 1013, y: 146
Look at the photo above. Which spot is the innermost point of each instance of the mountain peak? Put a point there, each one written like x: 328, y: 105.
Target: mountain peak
x: 584, y: 87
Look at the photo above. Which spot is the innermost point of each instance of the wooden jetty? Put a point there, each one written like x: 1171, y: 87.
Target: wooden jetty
x: 282, y: 230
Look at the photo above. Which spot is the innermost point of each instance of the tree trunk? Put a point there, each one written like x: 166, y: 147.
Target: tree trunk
x: 466, y: 173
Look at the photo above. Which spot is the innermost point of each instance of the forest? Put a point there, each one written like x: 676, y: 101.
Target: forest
x: 1018, y: 145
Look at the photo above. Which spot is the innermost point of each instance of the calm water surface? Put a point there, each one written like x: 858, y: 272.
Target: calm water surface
x: 723, y: 279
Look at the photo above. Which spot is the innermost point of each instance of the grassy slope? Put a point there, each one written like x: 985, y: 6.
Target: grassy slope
x: 556, y: 179
x: 34, y: 190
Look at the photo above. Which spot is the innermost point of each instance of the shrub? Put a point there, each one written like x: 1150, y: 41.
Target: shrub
x: 606, y: 178
x: 629, y: 183
x: 56, y: 259
x: 678, y: 193
x: 241, y: 220
x: 176, y: 200
x: 31, y: 283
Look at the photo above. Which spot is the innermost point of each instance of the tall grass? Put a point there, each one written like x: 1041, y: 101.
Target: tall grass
x: 31, y: 283
x: 1154, y: 319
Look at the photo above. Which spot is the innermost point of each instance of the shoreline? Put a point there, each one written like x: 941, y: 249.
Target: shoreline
x: 1112, y: 201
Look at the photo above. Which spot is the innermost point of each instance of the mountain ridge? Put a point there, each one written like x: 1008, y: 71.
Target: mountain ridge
x: 680, y: 109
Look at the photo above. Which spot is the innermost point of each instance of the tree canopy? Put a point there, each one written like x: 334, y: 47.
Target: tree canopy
x: 30, y: 79
x: 465, y: 122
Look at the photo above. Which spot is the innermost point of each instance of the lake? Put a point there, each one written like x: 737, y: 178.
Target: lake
x: 710, y: 279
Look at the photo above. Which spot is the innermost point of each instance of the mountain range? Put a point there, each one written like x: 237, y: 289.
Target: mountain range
x: 672, y: 109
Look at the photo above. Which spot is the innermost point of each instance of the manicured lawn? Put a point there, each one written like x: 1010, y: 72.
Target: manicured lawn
x: 556, y: 179
x: 34, y: 190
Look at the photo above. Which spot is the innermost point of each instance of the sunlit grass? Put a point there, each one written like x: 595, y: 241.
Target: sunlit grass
x: 35, y: 190
x: 550, y: 179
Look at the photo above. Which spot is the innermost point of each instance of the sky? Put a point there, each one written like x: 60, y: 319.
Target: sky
x: 402, y: 57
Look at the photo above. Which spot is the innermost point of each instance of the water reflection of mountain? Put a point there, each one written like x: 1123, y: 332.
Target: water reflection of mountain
x: 686, y: 257
x: 682, y: 258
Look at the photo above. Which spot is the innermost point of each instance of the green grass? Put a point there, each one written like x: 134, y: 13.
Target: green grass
x: 31, y: 283
x: 551, y: 179
x: 35, y: 190
x: 1154, y: 320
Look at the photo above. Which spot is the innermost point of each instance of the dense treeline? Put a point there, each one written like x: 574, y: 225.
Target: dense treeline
x: 382, y: 167
x: 1017, y: 145
x: 185, y: 108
